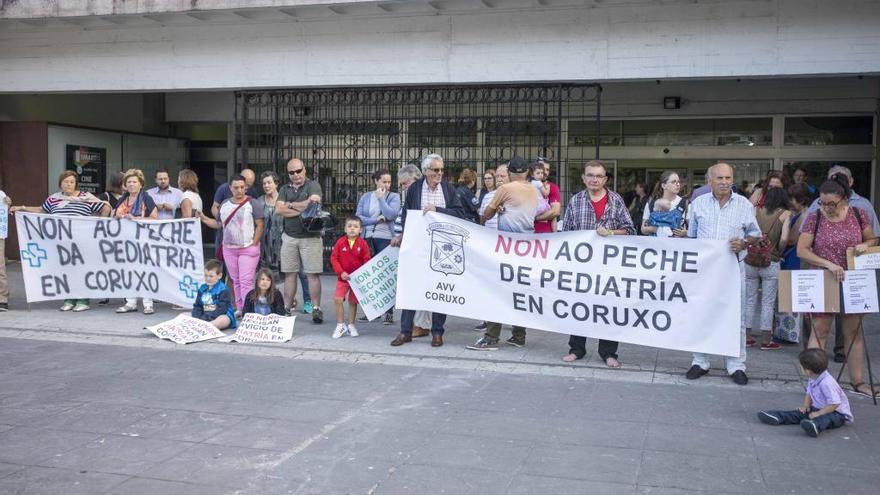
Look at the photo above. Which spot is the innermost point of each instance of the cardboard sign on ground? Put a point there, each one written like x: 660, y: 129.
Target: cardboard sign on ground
x: 832, y: 292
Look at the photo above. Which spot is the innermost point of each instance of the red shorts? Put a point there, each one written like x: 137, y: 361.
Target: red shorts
x: 343, y: 288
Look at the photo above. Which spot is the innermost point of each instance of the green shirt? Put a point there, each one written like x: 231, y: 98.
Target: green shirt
x: 293, y: 226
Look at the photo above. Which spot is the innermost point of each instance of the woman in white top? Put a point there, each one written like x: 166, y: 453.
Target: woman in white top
x: 501, y: 178
x: 667, y: 188
x: 188, y: 182
x: 241, y: 218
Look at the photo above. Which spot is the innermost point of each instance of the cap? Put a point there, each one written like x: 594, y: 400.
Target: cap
x: 517, y: 165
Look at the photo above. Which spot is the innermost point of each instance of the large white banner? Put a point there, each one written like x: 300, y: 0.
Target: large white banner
x: 375, y: 283
x: 681, y: 294
x: 91, y: 257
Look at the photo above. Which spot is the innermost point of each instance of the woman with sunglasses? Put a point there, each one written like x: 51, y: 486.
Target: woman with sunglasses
x: 825, y: 236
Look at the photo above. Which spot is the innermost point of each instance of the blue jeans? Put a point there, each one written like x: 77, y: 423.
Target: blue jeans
x: 824, y: 422
x: 377, y: 245
x: 304, y: 283
x: 407, y: 316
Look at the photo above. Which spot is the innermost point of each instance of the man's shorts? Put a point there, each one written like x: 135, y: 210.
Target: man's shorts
x: 307, y: 252
x: 343, y: 288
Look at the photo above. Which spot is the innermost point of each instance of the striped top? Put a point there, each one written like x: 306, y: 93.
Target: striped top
x: 85, y: 205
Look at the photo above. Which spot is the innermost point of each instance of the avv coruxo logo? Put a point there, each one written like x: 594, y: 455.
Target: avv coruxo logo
x: 447, y: 247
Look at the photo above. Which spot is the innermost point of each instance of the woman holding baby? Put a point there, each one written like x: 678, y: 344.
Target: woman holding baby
x: 666, y: 213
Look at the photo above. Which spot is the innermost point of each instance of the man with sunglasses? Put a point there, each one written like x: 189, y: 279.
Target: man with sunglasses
x: 298, y: 245
x: 546, y: 222
x: 430, y: 193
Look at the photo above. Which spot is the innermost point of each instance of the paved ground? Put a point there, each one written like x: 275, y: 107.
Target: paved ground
x: 92, y: 403
x: 79, y: 418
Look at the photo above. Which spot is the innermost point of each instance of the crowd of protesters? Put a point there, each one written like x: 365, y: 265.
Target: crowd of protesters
x: 783, y: 224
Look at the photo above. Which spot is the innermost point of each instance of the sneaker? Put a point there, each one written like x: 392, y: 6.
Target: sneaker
x: 103, y: 302
x: 769, y: 419
x: 81, y: 307
x: 750, y: 342
x: 839, y: 357
x: 481, y: 327
x: 484, y: 344
x: 339, y: 331
x: 317, y: 315
x: 126, y: 309
x: 307, y: 307
x: 739, y: 377
x: 4, y: 307
x: 352, y: 331
x: 770, y: 346
x: 810, y: 427
x: 515, y: 342
x: 363, y: 318
x: 695, y: 372
x: 66, y: 306
x: 148, y: 310
x: 389, y: 319
x: 291, y: 311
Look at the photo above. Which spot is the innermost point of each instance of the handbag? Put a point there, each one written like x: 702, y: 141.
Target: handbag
x: 314, y: 219
x: 219, y: 250
x: 758, y: 253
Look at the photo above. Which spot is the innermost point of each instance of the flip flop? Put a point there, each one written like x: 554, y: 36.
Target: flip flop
x: 856, y: 390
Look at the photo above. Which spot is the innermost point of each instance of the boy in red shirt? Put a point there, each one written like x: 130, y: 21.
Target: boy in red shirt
x: 349, y: 253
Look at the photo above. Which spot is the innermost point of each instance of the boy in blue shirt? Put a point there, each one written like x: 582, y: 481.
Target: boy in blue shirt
x: 213, y: 302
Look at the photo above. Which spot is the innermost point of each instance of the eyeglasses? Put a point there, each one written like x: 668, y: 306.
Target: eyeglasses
x: 488, y: 177
x: 295, y: 172
x: 594, y: 176
x: 829, y: 204
x: 436, y: 170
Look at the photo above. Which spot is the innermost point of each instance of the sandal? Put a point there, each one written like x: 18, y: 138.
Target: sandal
x: 612, y: 362
x: 867, y: 394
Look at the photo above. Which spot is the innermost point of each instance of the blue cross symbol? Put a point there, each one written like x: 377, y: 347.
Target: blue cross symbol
x: 189, y: 286
x: 34, y: 255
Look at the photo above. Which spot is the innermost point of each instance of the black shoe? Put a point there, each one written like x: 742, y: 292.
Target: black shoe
x: 389, y: 319
x: 363, y: 318
x: 516, y: 342
x: 695, y: 372
x: 839, y: 357
x: 4, y: 307
x: 769, y: 419
x: 481, y: 327
x: 317, y: 315
x: 810, y: 427
x: 739, y: 377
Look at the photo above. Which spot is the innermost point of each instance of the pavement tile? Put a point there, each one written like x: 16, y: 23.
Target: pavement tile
x: 427, y: 478
x: 795, y: 480
x: 27, y: 445
x: 189, y: 426
x: 34, y: 411
x: 98, y: 418
x: 266, y: 434
x: 147, y: 486
x: 662, y: 490
x: 118, y: 454
x: 790, y: 446
x: 370, y: 439
x: 6, y: 468
x: 307, y: 410
x: 584, y: 462
x: 37, y: 479
x: 525, y: 484
x: 490, y: 453
x: 675, y: 470
x: 305, y: 474
x: 700, y: 441
x: 218, y: 465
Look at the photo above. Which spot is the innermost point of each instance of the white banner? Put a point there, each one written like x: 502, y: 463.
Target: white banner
x: 681, y: 294
x: 184, y: 329
x: 259, y: 328
x: 375, y: 284
x: 92, y: 257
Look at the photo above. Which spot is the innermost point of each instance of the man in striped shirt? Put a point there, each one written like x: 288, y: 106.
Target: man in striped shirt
x: 723, y: 215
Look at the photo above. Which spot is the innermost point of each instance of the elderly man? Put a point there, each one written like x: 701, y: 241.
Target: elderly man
x: 730, y: 217
x: 298, y: 245
x: 859, y: 202
x: 430, y: 193
x: 166, y: 197
x: 600, y: 209
x: 516, y: 203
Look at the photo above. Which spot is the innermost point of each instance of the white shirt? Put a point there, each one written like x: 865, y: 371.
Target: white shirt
x: 735, y: 220
x: 194, y: 198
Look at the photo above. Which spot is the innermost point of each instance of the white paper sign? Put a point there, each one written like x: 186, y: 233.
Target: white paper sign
x: 679, y: 294
x: 807, y: 291
x: 375, y: 283
x: 184, y: 329
x: 259, y: 328
x: 91, y: 257
x: 4, y: 216
x: 860, y: 292
x: 867, y: 261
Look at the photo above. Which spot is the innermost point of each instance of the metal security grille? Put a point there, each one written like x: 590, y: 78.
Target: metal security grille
x: 344, y: 135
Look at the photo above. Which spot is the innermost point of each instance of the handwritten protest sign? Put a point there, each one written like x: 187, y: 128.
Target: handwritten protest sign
x: 184, y: 329
x: 258, y: 328
x: 375, y: 284
x: 91, y: 257
x: 679, y: 294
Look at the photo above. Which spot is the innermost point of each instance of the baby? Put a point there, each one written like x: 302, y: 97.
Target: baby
x: 664, y: 217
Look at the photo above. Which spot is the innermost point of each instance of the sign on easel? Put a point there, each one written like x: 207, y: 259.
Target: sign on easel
x: 860, y: 292
x: 808, y: 291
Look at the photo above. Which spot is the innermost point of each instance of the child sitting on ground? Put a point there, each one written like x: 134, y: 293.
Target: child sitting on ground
x: 265, y: 298
x: 213, y: 301
x: 349, y: 253
x: 664, y: 217
x: 825, y: 405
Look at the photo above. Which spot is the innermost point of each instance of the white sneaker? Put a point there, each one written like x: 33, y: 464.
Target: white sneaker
x: 66, y: 307
x: 126, y: 309
x: 81, y: 307
x: 352, y: 330
x: 339, y: 331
